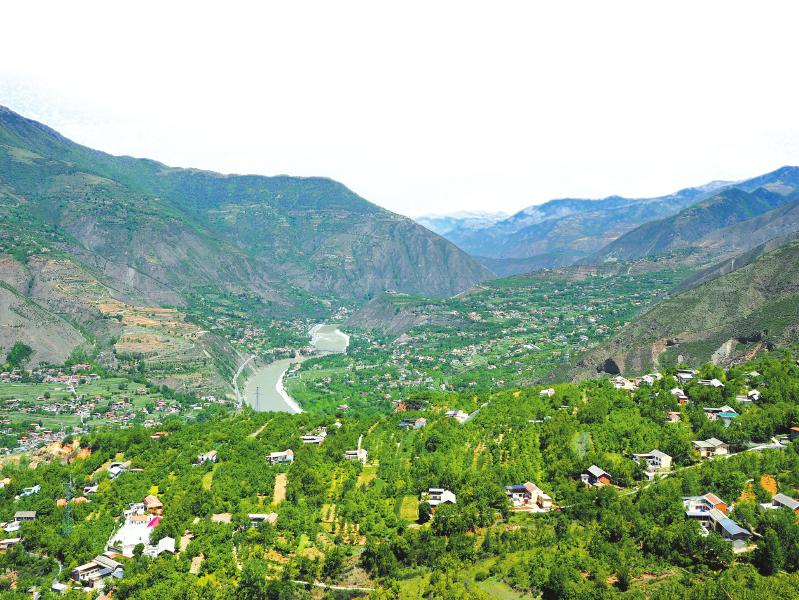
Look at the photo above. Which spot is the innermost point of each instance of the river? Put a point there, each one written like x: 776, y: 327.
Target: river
x: 264, y: 389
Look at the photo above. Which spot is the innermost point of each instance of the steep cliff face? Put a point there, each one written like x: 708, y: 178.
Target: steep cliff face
x: 162, y: 230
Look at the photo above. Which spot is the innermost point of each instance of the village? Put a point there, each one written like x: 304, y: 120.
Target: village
x: 361, y: 452
x: 503, y: 334
x: 49, y: 404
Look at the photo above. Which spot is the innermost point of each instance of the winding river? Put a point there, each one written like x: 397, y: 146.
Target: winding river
x: 264, y: 390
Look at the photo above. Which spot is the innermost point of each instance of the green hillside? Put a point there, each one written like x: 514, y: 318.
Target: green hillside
x: 345, y: 530
x: 81, y: 230
x: 180, y: 227
x: 752, y: 308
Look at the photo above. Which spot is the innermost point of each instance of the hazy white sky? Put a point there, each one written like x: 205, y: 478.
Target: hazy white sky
x: 421, y: 106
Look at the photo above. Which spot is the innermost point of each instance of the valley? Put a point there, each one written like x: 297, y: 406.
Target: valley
x: 587, y: 398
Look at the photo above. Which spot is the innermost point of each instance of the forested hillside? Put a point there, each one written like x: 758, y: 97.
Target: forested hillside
x: 369, y: 530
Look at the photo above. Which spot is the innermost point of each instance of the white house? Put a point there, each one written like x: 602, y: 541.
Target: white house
x: 784, y: 501
x: 436, y: 496
x: 655, y: 460
x: 28, y: 491
x: 458, y: 415
x: 165, y: 544
x: 115, y: 469
x: 258, y: 518
x: 651, y: 378
x: 359, y: 455
x: 315, y: 437
x: 286, y: 456
x: 711, y: 383
x: 97, y: 569
x: 208, y: 457
x: 620, y: 383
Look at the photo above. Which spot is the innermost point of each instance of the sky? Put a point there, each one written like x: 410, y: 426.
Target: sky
x: 421, y: 107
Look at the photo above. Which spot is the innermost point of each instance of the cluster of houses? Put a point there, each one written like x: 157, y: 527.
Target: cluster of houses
x: 711, y: 513
x: 724, y: 413
x: 34, y: 437
x: 51, y: 375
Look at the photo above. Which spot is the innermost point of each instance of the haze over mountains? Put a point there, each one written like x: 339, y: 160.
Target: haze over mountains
x: 459, y: 221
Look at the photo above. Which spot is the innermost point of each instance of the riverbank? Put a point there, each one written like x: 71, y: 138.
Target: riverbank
x: 281, y: 390
x: 265, y: 389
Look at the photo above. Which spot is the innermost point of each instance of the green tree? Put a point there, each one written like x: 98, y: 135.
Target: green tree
x: 425, y: 512
x: 769, y: 556
x: 252, y: 583
x: 18, y: 355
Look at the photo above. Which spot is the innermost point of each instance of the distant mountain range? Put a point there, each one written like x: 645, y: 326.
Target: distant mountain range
x: 572, y: 231
x: 735, y: 219
x: 561, y: 232
x: 734, y: 310
x: 460, y: 221
x: 80, y: 227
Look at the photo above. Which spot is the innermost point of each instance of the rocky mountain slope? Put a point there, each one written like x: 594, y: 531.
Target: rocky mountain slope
x: 724, y: 319
x: 170, y: 228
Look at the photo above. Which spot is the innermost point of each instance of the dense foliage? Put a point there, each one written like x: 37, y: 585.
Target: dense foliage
x: 364, y: 526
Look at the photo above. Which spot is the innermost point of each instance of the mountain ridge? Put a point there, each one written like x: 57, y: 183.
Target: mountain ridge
x: 563, y: 231
x: 709, y: 223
